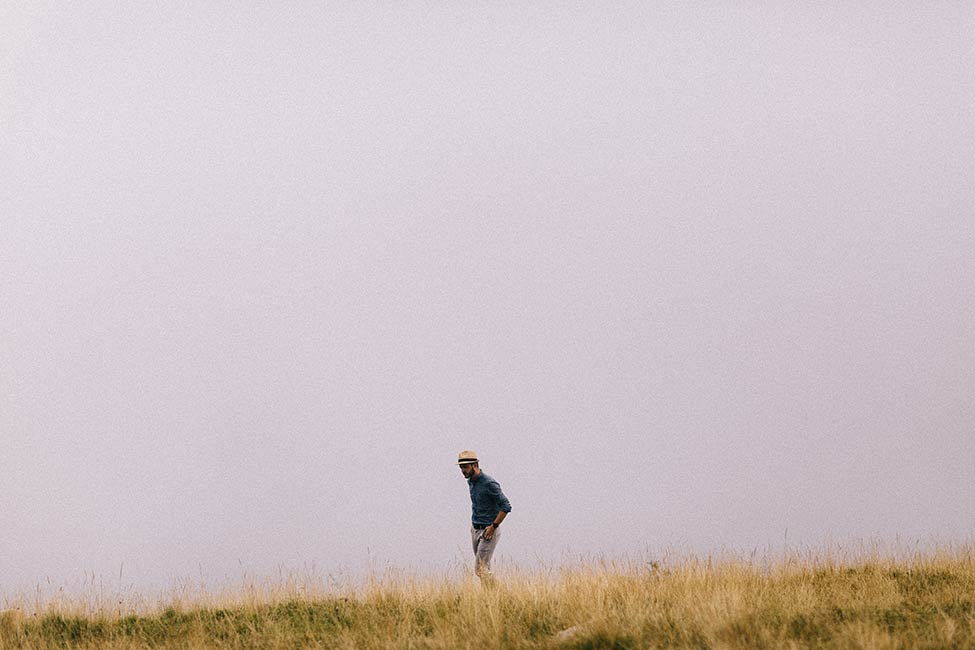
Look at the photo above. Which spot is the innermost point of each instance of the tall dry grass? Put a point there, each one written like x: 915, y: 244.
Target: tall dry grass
x: 811, y: 601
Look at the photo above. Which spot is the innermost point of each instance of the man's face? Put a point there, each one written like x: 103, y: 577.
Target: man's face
x: 467, y: 470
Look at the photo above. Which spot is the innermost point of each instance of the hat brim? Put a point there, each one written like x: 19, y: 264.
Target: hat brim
x: 467, y: 462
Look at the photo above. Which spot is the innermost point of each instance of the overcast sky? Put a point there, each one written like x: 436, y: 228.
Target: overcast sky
x: 687, y: 275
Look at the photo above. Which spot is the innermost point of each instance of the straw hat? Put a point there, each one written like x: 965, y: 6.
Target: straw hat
x: 466, y: 457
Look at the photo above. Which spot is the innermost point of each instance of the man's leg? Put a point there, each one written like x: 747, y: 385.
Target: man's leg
x: 483, y: 551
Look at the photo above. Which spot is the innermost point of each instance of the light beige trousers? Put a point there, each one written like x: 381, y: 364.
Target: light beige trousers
x: 483, y: 550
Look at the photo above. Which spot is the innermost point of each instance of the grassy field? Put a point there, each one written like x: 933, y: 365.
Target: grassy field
x: 810, y: 602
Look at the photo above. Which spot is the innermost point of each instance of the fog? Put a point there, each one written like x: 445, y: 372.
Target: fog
x: 686, y: 276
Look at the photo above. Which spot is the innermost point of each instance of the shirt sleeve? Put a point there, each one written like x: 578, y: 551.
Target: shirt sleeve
x: 494, y: 489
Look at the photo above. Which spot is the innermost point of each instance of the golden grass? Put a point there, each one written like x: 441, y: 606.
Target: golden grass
x: 816, y: 601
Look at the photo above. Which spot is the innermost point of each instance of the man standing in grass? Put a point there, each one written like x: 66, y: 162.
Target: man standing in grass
x: 489, y: 507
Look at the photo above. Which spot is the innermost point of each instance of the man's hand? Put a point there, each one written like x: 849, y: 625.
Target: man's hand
x: 489, y: 532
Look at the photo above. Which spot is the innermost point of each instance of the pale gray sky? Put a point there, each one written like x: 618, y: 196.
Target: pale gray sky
x: 684, y: 274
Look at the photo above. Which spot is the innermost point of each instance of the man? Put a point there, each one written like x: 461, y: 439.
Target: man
x: 489, y: 507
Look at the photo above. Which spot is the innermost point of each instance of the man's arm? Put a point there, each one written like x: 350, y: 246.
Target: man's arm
x: 494, y: 488
x: 489, y: 531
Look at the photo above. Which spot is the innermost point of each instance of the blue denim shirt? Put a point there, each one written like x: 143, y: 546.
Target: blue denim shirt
x: 487, y: 499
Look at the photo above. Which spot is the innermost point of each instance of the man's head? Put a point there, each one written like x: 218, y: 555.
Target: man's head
x: 467, y: 460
